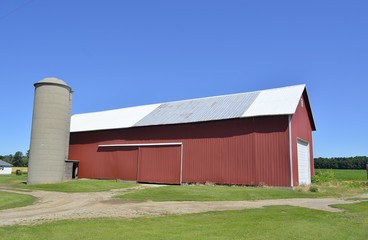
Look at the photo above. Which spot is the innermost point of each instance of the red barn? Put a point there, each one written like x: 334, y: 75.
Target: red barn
x: 254, y: 138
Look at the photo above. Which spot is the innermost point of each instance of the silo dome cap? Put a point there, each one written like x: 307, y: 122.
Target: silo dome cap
x: 53, y: 80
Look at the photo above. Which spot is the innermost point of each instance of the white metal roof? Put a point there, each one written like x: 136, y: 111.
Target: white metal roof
x: 279, y: 101
x: 112, y: 119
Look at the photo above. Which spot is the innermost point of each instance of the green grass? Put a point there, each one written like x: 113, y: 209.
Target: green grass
x: 12, y: 179
x: 80, y: 186
x: 13, y: 200
x: 238, y: 193
x: 213, y: 193
x: 276, y: 222
x: 349, y: 174
x: 18, y: 182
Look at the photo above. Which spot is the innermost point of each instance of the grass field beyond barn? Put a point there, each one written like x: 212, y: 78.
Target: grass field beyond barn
x: 349, y: 174
x: 24, y: 170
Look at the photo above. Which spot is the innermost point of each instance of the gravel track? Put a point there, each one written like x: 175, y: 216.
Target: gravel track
x: 53, y: 206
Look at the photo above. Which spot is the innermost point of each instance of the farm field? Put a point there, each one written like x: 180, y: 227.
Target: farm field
x: 348, y: 174
x: 24, y: 170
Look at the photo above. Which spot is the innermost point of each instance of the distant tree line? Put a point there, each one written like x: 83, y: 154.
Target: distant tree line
x: 17, y: 160
x: 358, y: 162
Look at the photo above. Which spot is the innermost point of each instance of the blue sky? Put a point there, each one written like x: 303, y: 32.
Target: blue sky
x: 124, y: 53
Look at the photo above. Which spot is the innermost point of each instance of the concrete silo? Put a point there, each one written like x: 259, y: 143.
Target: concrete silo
x: 50, y: 131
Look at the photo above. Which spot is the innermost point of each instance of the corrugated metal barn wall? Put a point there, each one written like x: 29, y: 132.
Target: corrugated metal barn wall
x: 301, y: 129
x: 250, y: 151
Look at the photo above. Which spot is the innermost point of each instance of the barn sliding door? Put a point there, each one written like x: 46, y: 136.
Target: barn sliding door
x: 118, y: 163
x: 151, y: 163
x: 159, y: 164
x: 303, y: 163
x: 126, y: 163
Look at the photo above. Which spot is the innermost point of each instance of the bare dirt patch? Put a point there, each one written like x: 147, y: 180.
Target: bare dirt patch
x: 53, y: 206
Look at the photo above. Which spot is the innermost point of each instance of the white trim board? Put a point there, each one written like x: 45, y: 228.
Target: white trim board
x: 141, y: 144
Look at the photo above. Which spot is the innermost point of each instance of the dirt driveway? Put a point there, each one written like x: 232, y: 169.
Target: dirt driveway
x: 57, y: 205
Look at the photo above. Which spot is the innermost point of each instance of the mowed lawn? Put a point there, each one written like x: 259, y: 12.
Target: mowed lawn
x: 80, y: 185
x: 345, y: 183
x: 13, y: 200
x: 238, y: 193
x: 89, y: 185
x: 214, y: 193
x: 12, y: 179
x: 276, y: 222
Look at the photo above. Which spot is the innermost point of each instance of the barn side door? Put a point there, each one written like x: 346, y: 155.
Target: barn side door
x: 304, y: 173
x: 126, y: 163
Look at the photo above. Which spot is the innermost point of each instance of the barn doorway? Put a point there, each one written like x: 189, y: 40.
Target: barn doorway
x: 71, y: 169
x: 304, y: 175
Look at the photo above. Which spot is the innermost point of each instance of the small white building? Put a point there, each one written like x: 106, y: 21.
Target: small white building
x: 5, y: 168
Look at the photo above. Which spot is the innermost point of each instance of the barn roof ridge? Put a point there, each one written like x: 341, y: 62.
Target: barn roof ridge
x: 268, y: 102
x: 196, y: 98
x: 233, y: 94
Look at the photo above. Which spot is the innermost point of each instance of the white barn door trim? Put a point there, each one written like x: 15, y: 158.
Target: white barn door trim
x: 304, y: 175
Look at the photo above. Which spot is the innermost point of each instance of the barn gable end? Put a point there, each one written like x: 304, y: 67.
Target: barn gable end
x: 302, y: 125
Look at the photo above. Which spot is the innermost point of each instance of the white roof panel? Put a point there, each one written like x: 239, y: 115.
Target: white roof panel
x: 112, y: 119
x: 279, y: 101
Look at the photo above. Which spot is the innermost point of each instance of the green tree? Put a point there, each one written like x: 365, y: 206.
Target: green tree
x: 358, y: 162
x: 25, y: 160
x: 8, y: 159
x: 17, y: 159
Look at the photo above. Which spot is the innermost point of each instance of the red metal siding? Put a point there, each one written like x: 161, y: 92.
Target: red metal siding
x: 272, y: 151
x: 301, y: 128
x: 249, y: 151
x: 159, y: 164
x: 252, y: 151
x: 109, y: 163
